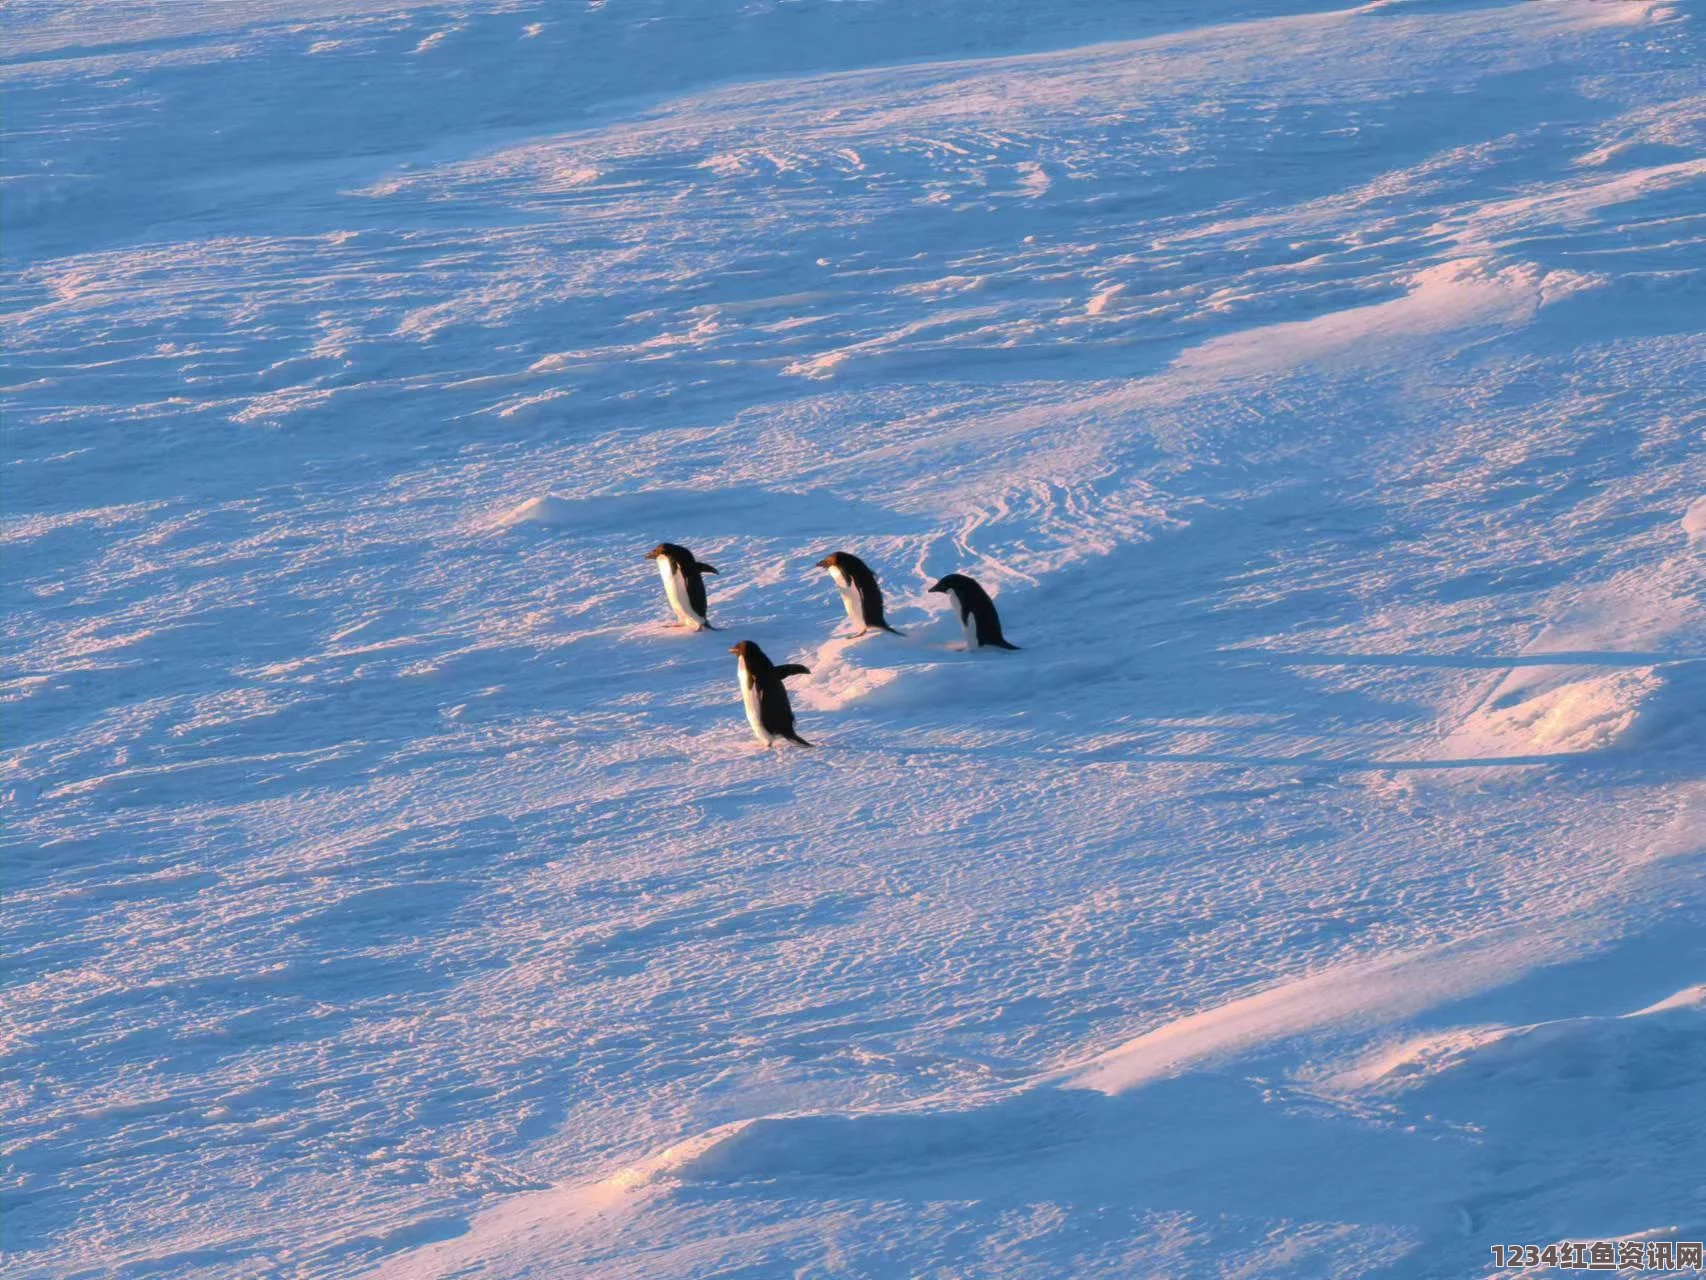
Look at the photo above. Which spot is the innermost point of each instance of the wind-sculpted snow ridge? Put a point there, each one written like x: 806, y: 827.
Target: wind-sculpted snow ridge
x: 1315, y: 893
x: 1453, y: 1135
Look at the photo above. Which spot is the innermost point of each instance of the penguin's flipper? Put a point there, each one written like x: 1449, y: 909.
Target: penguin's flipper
x: 791, y: 669
x: 704, y: 568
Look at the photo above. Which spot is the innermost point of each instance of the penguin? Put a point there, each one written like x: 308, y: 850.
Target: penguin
x: 977, y: 612
x: 766, y: 701
x: 683, y: 584
x: 860, y: 593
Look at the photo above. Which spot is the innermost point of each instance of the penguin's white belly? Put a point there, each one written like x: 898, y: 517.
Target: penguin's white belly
x: 749, y: 698
x: 850, y: 597
x: 675, y: 587
x: 968, y: 620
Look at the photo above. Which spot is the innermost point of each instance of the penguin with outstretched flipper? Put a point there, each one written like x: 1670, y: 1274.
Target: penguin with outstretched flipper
x: 761, y: 692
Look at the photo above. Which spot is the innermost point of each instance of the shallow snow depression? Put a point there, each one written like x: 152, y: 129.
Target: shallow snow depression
x: 1318, y: 892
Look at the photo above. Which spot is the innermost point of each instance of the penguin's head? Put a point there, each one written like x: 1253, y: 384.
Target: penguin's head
x: 952, y: 583
x: 828, y: 562
x: 751, y: 656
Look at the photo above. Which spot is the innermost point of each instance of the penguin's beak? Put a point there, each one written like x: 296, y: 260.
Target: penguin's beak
x: 938, y: 587
x: 734, y: 648
x: 824, y: 563
x: 652, y: 554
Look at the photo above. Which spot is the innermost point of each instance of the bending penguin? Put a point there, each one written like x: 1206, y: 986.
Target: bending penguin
x: 683, y: 583
x: 977, y: 612
x: 860, y: 593
x: 766, y: 701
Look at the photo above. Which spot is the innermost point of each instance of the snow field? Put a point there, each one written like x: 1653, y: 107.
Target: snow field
x: 1316, y: 894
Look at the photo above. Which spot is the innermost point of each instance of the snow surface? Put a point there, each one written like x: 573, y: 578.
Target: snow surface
x: 390, y: 891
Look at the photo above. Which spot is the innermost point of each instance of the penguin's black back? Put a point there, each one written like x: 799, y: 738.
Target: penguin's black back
x: 695, y: 580
x: 775, y: 712
x: 974, y: 602
x: 870, y: 594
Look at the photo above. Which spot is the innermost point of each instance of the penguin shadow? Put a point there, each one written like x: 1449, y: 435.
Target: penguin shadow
x: 669, y: 630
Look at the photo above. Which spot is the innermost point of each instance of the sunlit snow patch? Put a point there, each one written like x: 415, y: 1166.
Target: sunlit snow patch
x: 1452, y: 295
x: 1373, y: 991
x: 532, y: 1227
x: 1554, y: 710
x: 1694, y: 522
x: 1614, y: 683
x: 1656, y: 1041
x: 548, y: 509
